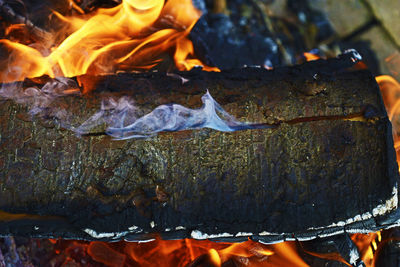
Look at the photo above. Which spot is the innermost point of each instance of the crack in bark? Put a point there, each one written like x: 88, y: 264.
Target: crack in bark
x: 360, y: 116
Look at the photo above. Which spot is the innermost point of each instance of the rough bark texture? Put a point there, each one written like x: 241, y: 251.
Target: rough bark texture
x: 328, y: 157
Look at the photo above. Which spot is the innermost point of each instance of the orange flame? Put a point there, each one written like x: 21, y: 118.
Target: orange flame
x: 310, y: 56
x: 135, y: 35
x: 184, y: 252
x: 366, y: 244
x: 390, y: 89
x: 101, y: 252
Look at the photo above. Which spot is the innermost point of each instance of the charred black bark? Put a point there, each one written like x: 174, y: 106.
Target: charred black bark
x: 323, y: 161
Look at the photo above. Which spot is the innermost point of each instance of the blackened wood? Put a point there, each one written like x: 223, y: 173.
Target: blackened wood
x: 9, y: 15
x: 325, y: 165
x: 388, y: 249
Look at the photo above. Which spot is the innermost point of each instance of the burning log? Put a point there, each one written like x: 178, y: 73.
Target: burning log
x: 9, y: 15
x: 302, y: 153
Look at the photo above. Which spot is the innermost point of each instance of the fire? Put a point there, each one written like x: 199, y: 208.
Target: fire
x: 390, y: 90
x: 184, y: 252
x: 135, y: 35
x: 367, y: 244
x: 310, y: 56
x: 138, y: 35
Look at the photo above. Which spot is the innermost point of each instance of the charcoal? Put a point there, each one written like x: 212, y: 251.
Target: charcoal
x: 216, y: 40
x: 309, y: 15
x: 236, y: 37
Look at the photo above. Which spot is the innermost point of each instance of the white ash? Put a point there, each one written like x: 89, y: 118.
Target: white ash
x: 382, y: 209
x: 94, y: 234
x: 243, y: 234
x: 196, y: 234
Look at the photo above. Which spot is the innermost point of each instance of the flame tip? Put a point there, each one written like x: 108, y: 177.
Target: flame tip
x: 130, y: 36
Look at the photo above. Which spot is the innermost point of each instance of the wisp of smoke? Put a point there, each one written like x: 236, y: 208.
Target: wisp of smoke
x: 120, y: 115
x: 40, y: 101
x: 174, y: 117
x: 116, y: 113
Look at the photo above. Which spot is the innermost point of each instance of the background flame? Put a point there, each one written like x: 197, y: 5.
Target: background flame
x: 135, y: 35
x: 184, y: 252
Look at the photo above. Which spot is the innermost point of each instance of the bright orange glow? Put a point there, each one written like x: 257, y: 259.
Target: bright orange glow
x: 182, y: 252
x: 34, y: 65
x: 367, y: 245
x: 288, y: 255
x: 14, y: 27
x: 135, y: 35
x: 215, y: 259
x: 310, y: 56
x: 101, y: 252
x: 75, y: 6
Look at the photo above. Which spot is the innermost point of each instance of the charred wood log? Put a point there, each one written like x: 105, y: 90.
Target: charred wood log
x: 11, y: 16
x: 320, y: 161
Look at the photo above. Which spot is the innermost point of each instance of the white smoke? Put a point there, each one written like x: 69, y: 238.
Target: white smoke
x: 41, y: 101
x: 175, y: 117
x: 120, y: 116
x: 113, y: 112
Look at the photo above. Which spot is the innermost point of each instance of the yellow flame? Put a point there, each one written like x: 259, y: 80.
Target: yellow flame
x: 215, y: 259
x: 34, y: 64
x: 135, y: 35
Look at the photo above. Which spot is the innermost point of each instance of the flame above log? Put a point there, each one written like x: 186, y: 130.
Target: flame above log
x: 135, y: 35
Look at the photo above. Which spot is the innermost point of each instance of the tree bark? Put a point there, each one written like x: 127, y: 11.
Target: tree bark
x: 321, y: 160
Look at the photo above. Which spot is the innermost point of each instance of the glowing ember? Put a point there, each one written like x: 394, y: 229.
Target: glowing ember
x: 310, y: 56
x: 135, y: 35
